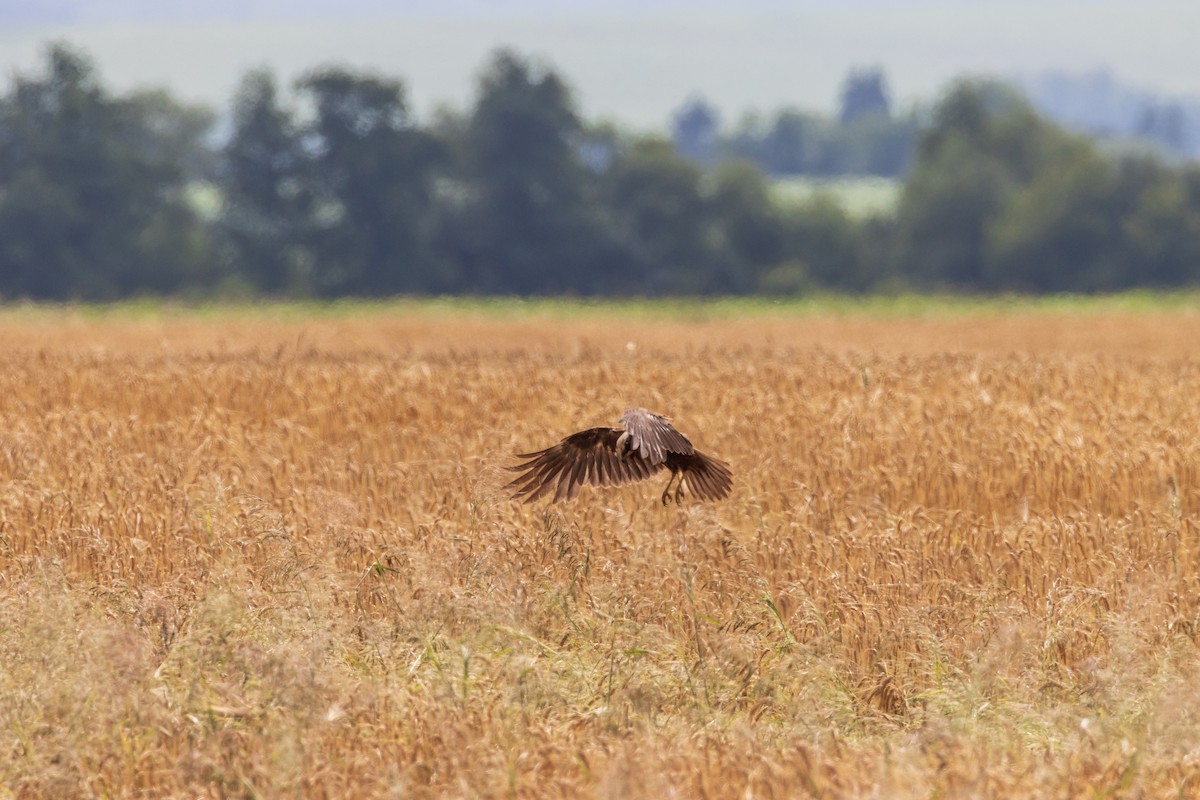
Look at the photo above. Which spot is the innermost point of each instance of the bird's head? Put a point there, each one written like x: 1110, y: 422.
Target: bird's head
x: 624, y: 445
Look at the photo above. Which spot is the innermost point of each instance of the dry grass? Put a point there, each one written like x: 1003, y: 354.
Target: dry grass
x: 244, y: 557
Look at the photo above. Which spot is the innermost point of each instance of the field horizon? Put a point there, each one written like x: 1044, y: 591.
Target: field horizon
x: 266, y: 551
x: 1132, y: 321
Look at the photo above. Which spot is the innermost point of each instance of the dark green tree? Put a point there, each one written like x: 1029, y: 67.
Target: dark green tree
x: 822, y: 236
x: 371, y: 173
x: 663, y: 221
x: 267, y: 191
x: 94, y: 189
x: 982, y: 146
x: 525, y: 218
x: 750, y: 235
x: 945, y: 208
x: 1158, y: 210
x: 1058, y: 232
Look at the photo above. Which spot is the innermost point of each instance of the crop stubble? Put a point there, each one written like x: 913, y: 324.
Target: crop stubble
x: 248, y: 556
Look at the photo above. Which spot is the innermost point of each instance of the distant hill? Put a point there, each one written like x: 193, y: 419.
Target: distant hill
x: 1097, y: 104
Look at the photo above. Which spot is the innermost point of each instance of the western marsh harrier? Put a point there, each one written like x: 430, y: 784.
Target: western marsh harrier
x: 645, y: 444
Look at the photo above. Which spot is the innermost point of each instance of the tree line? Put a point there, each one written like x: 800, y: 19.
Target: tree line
x: 865, y: 138
x: 331, y: 187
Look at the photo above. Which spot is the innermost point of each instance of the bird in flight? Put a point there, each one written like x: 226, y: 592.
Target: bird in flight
x: 644, y: 444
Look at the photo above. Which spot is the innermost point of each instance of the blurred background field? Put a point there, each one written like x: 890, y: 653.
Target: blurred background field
x: 1164, y: 325
x: 861, y: 197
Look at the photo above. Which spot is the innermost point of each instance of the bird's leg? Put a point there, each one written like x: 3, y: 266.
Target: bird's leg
x: 679, y: 490
x: 666, y: 495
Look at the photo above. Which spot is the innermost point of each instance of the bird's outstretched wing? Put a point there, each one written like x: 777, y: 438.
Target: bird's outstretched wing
x: 652, y: 436
x: 588, y: 457
x: 706, y: 477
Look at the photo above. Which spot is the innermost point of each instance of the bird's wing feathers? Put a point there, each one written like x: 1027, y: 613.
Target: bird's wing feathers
x: 708, y: 478
x: 588, y: 457
x: 652, y: 435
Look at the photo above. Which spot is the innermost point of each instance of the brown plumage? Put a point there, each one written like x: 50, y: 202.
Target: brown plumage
x: 645, y: 444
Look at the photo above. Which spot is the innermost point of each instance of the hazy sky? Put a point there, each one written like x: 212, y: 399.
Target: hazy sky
x: 630, y: 60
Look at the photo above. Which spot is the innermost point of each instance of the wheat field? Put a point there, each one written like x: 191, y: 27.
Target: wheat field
x: 264, y: 554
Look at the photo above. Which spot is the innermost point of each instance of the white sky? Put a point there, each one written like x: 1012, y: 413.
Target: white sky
x: 629, y: 61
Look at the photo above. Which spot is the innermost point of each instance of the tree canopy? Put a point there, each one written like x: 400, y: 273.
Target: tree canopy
x: 93, y: 199
x: 331, y: 186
